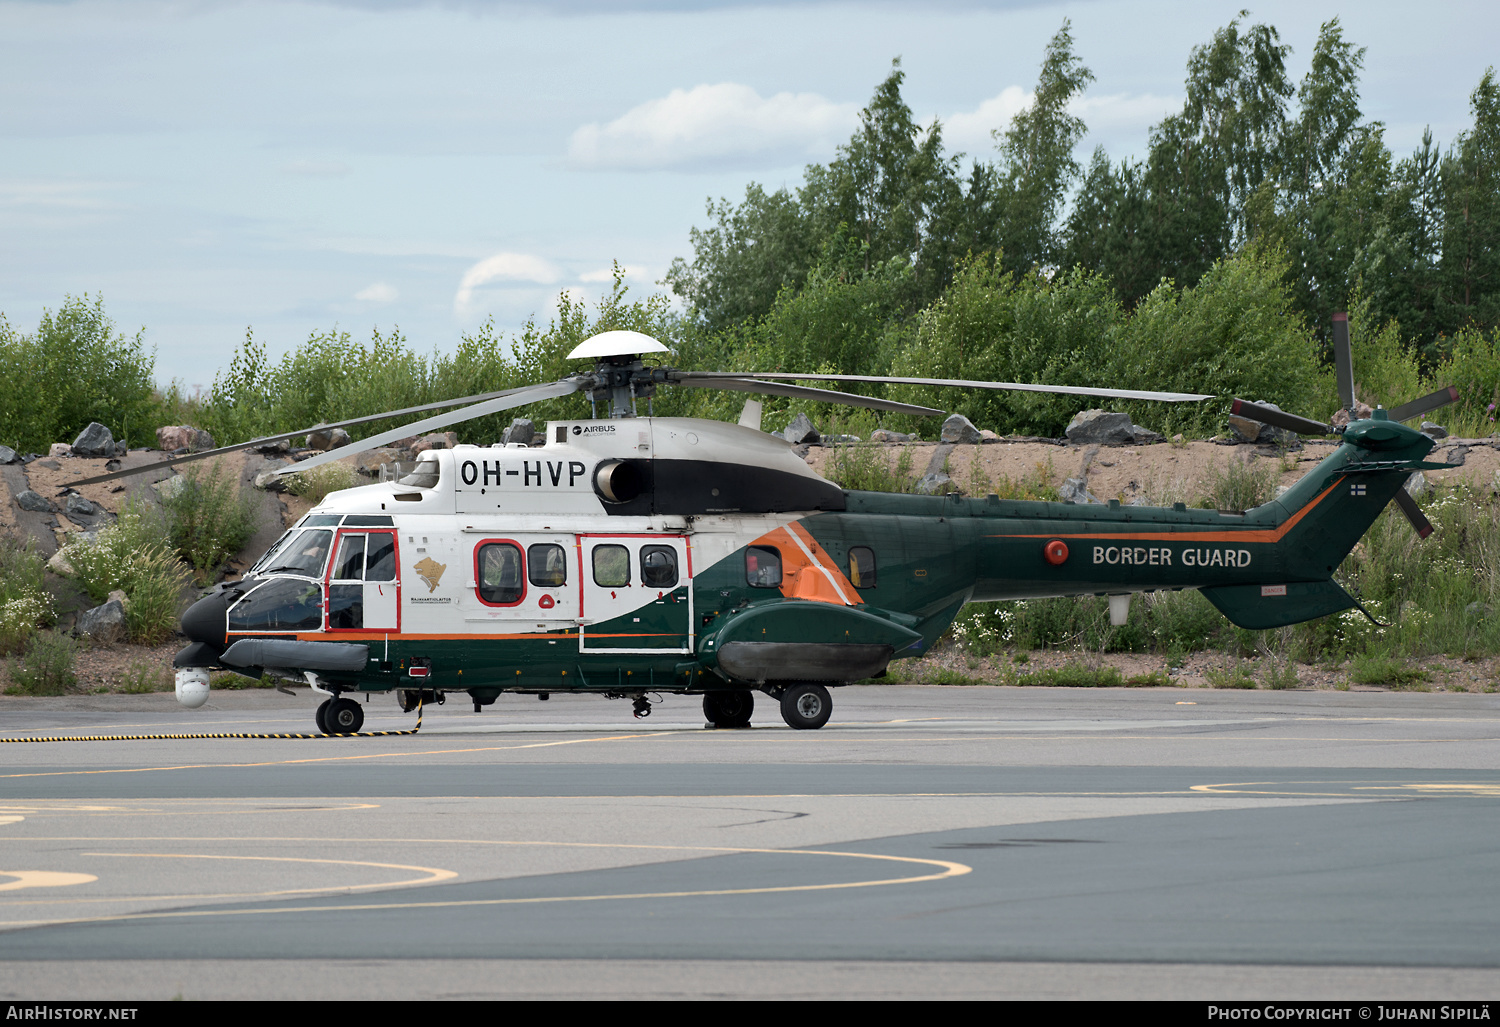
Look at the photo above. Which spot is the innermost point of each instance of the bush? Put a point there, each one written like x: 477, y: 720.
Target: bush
x: 24, y: 605
x: 210, y: 517
x: 47, y: 667
x: 315, y: 484
x: 1240, y: 485
x: 75, y: 369
x: 135, y: 556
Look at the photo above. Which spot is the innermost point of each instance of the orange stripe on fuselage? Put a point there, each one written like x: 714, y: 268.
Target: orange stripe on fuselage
x: 807, y: 571
x: 1242, y: 535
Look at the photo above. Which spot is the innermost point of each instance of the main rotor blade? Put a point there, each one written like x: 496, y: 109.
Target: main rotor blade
x: 1343, y: 363
x: 1413, y: 513
x: 1279, y: 418
x: 264, y: 439
x: 737, y: 384
x: 962, y: 383
x: 517, y: 398
x: 1440, y: 398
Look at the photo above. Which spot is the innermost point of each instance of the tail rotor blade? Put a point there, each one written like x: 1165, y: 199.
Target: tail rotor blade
x: 1343, y: 365
x: 1440, y: 398
x: 1414, y: 513
x: 1279, y: 418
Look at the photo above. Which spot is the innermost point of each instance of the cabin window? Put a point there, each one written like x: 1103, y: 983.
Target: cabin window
x: 423, y: 476
x: 658, y: 567
x: 498, y: 574
x: 862, y: 567
x: 547, y: 565
x: 763, y: 566
x: 306, y: 554
x: 611, y: 566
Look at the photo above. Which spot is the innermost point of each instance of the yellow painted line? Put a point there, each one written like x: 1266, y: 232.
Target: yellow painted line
x: 946, y: 869
x: 42, y: 879
x: 1280, y: 788
x: 333, y: 759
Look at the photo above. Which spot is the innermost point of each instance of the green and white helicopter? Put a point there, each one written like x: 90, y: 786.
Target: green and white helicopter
x: 632, y: 556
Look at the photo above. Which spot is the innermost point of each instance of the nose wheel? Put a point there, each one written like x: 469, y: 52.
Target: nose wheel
x: 340, y: 717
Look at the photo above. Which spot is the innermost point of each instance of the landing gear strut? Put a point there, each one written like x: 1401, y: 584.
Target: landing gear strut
x: 642, y: 707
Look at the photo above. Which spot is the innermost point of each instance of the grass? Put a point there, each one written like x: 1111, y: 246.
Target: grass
x: 1385, y: 670
x: 141, y: 678
x: 46, y: 668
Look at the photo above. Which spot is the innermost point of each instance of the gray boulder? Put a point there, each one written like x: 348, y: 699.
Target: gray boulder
x: 520, y: 430
x: 1244, y: 429
x: 1432, y: 431
x: 29, y: 500
x: 1076, y: 490
x: 269, y: 481
x: 173, y: 437
x: 327, y: 438
x: 78, y: 506
x: 886, y: 435
x: 1100, y: 428
x: 934, y: 483
x: 958, y: 428
x: 94, y: 441
x: 1145, y: 436
x: 801, y: 430
x: 104, y: 624
x: 1416, y: 485
x: 7, y: 455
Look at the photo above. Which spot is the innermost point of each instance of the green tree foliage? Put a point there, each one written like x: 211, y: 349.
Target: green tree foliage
x: 75, y: 368
x: 333, y: 377
x: 1182, y: 209
x: 1470, y: 265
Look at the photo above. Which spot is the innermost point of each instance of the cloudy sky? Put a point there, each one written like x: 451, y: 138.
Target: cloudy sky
x: 292, y: 166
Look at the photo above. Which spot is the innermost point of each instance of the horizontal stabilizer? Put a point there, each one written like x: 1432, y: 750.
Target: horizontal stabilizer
x: 1274, y: 606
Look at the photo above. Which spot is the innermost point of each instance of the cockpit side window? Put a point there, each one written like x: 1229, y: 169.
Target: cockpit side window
x: 306, y: 554
x: 425, y: 475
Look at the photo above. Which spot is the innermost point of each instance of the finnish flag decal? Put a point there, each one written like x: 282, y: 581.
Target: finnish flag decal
x: 1356, y: 490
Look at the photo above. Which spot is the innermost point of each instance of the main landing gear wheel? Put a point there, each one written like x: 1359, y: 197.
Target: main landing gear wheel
x: 344, y: 717
x: 729, y: 709
x: 806, y: 706
x: 408, y: 698
x: 321, y: 714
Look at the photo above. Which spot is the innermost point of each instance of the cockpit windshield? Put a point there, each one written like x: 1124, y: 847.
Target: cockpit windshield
x: 305, y: 554
x: 425, y: 475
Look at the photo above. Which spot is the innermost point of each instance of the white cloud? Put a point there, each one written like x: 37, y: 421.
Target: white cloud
x: 969, y: 131
x: 502, y: 267
x: 1118, y: 119
x: 715, y: 125
x: 377, y: 292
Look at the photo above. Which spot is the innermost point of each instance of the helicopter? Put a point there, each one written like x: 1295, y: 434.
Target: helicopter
x: 630, y: 556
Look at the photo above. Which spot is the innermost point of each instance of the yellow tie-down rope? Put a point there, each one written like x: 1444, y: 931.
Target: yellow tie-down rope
x: 160, y: 738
